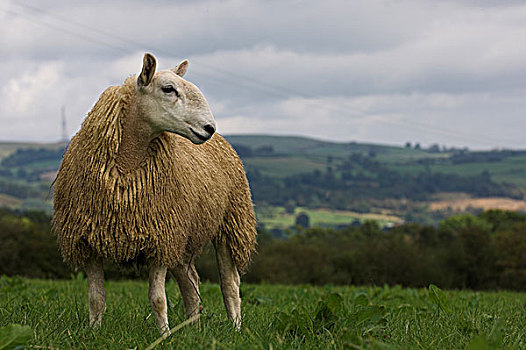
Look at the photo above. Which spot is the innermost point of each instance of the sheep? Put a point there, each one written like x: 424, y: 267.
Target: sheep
x: 147, y: 179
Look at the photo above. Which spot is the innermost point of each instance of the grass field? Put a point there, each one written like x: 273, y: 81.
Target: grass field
x: 281, y: 167
x: 55, y: 316
x: 294, y: 145
x: 512, y: 169
x: 296, y: 155
x: 6, y: 148
x: 277, y: 217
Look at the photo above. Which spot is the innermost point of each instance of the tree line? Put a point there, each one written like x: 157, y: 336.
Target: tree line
x: 23, y: 156
x: 484, y: 251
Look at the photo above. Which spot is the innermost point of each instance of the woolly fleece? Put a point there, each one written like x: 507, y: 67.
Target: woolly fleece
x: 179, y: 198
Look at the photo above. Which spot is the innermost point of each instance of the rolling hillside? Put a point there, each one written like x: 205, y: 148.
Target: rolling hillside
x: 293, y: 155
x: 351, y: 179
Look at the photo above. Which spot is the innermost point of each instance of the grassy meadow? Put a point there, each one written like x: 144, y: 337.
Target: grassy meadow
x: 54, y: 315
x: 277, y: 217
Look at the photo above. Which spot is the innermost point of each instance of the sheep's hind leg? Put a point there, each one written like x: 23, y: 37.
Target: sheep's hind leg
x: 97, y: 294
x: 157, y: 297
x: 230, y: 282
x: 188, y: 282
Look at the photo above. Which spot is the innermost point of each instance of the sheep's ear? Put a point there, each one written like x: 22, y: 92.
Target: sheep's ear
x: 148, y: 70
x: 181, y: 68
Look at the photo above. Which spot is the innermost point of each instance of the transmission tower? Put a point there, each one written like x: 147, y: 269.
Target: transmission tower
x: 65, y: 137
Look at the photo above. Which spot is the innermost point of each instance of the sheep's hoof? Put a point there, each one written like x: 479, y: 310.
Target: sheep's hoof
x: 95, y: 324
x: 165, y: 332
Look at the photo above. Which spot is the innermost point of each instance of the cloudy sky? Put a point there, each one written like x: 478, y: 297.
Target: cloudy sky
x: 382, y: 71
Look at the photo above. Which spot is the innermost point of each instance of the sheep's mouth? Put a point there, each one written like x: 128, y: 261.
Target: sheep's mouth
x: 199, y: 136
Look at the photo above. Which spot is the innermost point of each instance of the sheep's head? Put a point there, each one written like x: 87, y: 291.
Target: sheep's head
x: 170, y: 103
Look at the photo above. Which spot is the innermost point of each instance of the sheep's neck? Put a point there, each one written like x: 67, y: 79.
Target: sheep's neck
x: 135, y: 140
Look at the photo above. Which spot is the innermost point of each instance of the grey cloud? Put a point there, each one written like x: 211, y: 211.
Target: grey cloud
x: 208, y: 26
x: 383, y: 71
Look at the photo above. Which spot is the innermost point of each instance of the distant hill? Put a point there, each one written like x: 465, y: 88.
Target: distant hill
x: 292, y: 154
x: 292, y: 171
x: 304, y: 146
x: 295, y: 154
x: 383, y: 179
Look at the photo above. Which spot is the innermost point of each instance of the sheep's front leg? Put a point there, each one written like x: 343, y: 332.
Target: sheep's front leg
x: 97, y: 294
x: 188, y: 282
x: 157, y: 297
x: 230, y: 282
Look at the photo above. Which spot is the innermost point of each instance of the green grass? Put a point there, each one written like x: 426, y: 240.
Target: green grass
x: 281, y: 167
x: 511, y: 169
x: 277, y: 217
x: 43, y: 164
x: 274, y: 317
x: 296, y: 155
x: 289, y: 145
x: 7, y: 148
x: 295, y: 145
x: 402, y: 155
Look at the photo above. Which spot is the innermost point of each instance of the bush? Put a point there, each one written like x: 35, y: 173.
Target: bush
x: 466, y: 251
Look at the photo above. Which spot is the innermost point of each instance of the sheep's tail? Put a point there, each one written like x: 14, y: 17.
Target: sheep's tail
x: 239, y: 233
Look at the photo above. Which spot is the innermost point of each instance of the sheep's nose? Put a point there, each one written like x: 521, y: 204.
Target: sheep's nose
x: 209, y: 128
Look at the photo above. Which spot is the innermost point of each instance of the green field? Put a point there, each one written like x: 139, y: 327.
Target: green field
x: 7, y: 148
x: 289, y: 145
x: 282, y: 166
x: 356, y: 169
x: 296, y: 145
x: 275, y: 317
x: 296, y: 155
x: 277, y: 217
x: 511, y: 170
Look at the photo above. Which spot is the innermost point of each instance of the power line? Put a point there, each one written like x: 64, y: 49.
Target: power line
x: 78, y: 24
x: 65, y: 137
x: 246, y: 81
x: 140, y: 45
x: 229, y: 77
x: 60, y: 29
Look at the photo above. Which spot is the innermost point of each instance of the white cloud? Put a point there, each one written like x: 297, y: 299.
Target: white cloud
x: 22, y: 92
x: 386, y: 71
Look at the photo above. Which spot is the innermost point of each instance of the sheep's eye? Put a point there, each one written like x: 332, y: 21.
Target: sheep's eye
x: 169, y: 89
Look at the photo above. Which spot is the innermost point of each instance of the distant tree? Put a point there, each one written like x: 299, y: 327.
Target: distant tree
x: 303, y: 220
x: 502, y: 219
x: 290, y: 207
x: 408, y: 144
x: 472, y: 258
x: 434, y: 148
x: 28, y: 248
x: 511, y: 258
x: 370, y: 227
x: 264, y: 151
x: 24, y: 156
x: 459, y: 222
x: 21, y: 173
